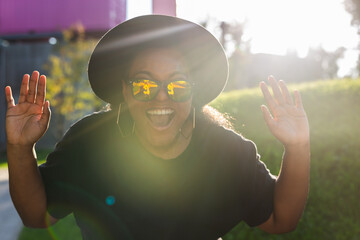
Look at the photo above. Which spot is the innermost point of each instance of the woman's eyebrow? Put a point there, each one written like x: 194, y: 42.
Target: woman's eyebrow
x: 178, y: 73
x: 144, y: 72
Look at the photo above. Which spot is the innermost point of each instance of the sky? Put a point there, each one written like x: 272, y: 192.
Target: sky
x: 276, y: 26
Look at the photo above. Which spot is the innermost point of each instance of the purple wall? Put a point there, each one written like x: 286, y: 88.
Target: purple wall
x: 24, y: 16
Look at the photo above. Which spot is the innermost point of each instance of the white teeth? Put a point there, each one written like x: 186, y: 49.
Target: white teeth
x: 160, y: 111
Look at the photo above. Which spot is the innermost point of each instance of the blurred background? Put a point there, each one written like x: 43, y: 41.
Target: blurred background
x: 312, y: 45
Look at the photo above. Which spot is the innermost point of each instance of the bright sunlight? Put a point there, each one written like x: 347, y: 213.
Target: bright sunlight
x: 279, y: 26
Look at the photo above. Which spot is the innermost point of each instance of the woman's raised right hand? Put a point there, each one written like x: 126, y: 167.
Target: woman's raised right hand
x: 27, y: 121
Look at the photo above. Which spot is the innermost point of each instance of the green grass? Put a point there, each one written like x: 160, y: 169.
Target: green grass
x: 62, y: 230
x: 41, y: 156
x: 3, y: 165
x: 3, y: 160
x: 332, y: 211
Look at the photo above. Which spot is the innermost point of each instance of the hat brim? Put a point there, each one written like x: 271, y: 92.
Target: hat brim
x: 110, y: 59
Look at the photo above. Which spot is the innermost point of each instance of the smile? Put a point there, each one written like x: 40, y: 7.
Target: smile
x: 160, y: 112
x: 160, y: 119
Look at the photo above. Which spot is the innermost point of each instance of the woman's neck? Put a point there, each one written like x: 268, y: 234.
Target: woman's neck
x: 174, y: 148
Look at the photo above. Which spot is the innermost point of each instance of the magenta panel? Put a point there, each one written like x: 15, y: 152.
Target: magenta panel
x: 24, y: 16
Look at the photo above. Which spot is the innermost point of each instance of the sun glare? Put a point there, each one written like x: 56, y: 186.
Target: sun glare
x: 278, y: 26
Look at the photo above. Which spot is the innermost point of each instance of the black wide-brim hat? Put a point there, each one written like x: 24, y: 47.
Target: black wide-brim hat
x: 205, y: 57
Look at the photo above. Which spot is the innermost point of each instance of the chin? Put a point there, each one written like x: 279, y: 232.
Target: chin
x: 161, y: 140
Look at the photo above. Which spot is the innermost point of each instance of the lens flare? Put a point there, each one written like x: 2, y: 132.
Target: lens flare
x: 110, y: 200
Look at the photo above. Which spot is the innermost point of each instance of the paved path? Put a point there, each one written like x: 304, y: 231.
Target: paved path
x: 10, y: 222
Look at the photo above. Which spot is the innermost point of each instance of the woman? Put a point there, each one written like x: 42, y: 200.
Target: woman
x: 159, y: 165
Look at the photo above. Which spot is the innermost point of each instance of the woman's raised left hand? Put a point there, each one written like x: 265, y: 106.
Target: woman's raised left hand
x: 285, y: 118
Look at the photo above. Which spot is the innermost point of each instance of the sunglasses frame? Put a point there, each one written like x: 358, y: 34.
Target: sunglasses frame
x: 163, y: 85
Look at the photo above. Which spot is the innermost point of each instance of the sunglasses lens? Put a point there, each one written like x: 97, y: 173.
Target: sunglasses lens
x: 144, y: 90
x: 179, y: 90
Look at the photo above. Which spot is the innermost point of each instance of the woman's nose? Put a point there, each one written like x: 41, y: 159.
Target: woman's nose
x: 162, y: 95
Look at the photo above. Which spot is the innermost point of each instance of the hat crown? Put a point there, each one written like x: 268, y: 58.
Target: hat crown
x: 110, y: 59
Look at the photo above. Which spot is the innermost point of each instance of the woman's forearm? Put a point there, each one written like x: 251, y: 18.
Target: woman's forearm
x: 291, y: 190
x: 292, y: 186
x: 26, y: 186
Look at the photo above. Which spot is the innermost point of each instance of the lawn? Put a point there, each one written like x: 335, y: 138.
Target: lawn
x: 64, y: 229
x: 41, y: 154
x: 332, y: 211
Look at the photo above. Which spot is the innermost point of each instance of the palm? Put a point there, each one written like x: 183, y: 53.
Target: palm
x: 27, y: 121
x: 22, y: 123
x: 288, y: 122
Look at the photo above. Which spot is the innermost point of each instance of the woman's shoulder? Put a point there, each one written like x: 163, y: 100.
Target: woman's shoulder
x: 93, y: 119
x: 216, y: 128
x: 228, y: 152
x: 90, y: 125
x: 81, y: 137
x: 222, y: 137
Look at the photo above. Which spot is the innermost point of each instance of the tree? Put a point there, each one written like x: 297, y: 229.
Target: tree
x: 67, y: 87
x: 231, y: 38
x: 327, y: 61
x: 353, y: 7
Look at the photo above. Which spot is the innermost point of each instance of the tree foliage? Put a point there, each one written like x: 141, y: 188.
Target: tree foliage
x: 353, y: 7
x: 326, y: 61
x: 238, y: 50
x: 67, y: 86
x: 247, y: 69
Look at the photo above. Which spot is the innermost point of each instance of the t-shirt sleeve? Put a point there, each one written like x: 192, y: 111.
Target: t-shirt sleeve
x: 57, y: 174
x: 260, y: 200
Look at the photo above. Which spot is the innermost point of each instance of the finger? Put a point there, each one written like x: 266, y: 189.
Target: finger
x: 276, y: 90
x: 45, y: 117
x: 268, y: 98
x: 9, y: 97
x: 41, y: 91
x: 298, y: 100
x: 24, y: 88
x: 267, y: 116
x: 32, y: 87
x: 285, y: 92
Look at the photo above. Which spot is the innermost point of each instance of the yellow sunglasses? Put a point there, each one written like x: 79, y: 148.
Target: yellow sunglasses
x: 146, y: 90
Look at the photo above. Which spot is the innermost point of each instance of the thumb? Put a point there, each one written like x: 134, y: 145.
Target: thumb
x: 267, y: 116
x: 45, y: 117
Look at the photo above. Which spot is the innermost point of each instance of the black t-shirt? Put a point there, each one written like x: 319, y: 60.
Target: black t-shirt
x: 118, y: 190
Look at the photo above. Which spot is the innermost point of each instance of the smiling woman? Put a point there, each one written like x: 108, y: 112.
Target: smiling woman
x: 156, y: 166
x: 159, y: 119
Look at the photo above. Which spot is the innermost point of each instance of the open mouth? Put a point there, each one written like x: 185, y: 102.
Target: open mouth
x: 160, y: 118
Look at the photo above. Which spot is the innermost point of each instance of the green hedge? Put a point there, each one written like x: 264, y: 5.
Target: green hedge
x: 332, y: 211
x: 333, y: 110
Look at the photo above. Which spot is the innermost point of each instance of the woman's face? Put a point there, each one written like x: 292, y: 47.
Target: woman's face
x: 158, y: 121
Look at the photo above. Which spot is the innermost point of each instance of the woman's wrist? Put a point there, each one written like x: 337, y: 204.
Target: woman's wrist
x: 298, y: 148
x: 19, y: 151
